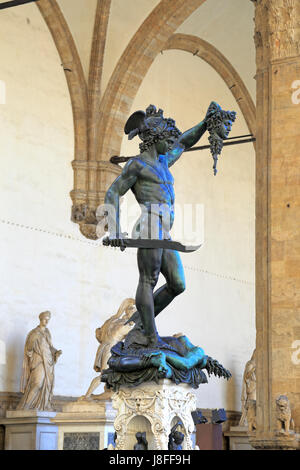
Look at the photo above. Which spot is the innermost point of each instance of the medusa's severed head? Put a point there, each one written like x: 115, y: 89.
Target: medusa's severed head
x: 219, y: 122
x: 152, y: 128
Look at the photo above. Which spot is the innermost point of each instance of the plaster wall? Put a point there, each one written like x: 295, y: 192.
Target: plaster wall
x: 48, y: 264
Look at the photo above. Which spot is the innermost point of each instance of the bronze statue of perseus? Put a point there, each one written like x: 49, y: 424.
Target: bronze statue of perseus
x: 149, y: 178
x: 143, y: 355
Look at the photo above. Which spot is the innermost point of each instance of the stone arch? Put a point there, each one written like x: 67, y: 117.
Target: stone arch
x: 71, y: 63
x: 223, y: 67
x: 132, y: 67
x: 95, y: 72
x: 85, y: 100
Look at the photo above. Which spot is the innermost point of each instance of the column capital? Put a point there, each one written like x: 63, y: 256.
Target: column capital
x: 277, y: 30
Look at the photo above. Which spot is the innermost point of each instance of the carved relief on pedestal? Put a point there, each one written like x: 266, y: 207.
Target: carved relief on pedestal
x: 159, y: 404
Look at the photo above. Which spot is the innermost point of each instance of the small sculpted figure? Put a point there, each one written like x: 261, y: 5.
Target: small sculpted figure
x: 142, y: 443
x: 112, y: 446
x: 249, y: 394
x: 176, y: 438
x: 284, y: 415
x: 111, y: 332
x: 40, y: 357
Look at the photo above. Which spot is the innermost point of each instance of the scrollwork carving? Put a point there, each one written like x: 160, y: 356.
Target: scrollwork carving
x: 159, y: 404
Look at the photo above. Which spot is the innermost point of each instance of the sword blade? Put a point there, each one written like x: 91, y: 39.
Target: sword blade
x: 152, y: 243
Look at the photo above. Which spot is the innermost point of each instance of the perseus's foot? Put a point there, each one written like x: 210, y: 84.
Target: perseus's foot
x: 154, y: 341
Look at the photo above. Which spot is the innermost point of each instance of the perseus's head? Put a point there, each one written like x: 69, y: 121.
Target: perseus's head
x: 153, y: 129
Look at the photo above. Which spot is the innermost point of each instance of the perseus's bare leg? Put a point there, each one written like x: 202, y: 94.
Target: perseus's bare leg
x: 172, y: 270
x: 149, y: 264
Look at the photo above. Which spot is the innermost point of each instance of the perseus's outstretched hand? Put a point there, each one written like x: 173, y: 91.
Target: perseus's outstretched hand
x: 116, y: 241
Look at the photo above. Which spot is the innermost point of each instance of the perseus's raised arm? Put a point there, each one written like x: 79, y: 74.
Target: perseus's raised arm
x: 118, y: 188
x: 191, y: 136
x: 185, y: 141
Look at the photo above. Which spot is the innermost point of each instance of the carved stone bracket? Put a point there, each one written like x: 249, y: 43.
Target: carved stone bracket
x: 159, y: 404
x: 91, y: 181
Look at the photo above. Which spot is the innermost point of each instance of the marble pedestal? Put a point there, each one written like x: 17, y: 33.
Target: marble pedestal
x: 153, y: 408
x: 238, y: 438
x: 85, y: 425
x: 30, y: 430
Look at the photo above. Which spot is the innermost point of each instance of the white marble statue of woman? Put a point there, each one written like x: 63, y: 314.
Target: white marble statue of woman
x: 40, y: 356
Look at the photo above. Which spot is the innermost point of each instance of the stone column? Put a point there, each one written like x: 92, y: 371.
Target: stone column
x: 277, y: 39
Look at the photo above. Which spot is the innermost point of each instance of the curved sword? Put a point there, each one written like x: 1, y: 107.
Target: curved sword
x: 123, y: 243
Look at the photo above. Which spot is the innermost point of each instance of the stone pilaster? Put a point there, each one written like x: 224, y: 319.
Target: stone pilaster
x: 277, y: 39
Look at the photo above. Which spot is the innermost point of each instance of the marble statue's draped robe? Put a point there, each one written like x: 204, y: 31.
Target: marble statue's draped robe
x: 38, y: 371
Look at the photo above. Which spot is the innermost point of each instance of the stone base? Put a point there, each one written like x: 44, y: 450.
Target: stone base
x: 30, y: 430
x: 153, y: 408
x: 275, y: 442
x: 85, y: 425
x: 238, y: 438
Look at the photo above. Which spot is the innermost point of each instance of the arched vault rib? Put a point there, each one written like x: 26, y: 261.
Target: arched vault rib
x: 73, y: 69
x: 132, y: 67
x: 95, y: 72
x: 223, y: 67
x: 85, y: 99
